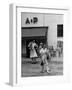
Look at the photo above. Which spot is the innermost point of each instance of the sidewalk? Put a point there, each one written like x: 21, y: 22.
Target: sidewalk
x: 30, y: 69
x: 53, y: 59
x: 59, y: 59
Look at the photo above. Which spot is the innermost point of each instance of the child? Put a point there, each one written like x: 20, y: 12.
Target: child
x: 44, y: 63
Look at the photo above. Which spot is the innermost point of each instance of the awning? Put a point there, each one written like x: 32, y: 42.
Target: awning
x: 29, y: 32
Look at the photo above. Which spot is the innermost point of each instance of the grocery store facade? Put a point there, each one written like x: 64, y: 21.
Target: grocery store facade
x: 47, y: 28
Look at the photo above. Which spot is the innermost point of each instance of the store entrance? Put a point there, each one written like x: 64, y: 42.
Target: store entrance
x: 28, y: 34
x: 38, y: 40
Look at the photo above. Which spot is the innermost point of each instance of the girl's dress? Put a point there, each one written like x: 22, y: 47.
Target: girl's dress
x: 43, y: 53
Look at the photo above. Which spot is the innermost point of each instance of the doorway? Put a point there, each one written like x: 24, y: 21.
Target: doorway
x: 38, y: 40
x: 28, y: 34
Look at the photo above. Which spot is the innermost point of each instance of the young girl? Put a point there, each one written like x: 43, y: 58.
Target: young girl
x: 44, y: 62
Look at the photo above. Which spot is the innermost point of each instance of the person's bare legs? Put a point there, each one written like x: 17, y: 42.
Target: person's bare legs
x: 46, y: 66
x: 42, y: 68
x: 32, y: 60
x: 47, y: 69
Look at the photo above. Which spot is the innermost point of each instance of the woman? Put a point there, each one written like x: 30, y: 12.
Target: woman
x: 33, y: 54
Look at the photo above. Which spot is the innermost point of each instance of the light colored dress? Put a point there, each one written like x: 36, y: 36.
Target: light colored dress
x: 43, y: 53
x: 33, y: 53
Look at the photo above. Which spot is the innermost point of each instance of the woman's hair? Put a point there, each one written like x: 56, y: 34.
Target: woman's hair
x: 33, y: 40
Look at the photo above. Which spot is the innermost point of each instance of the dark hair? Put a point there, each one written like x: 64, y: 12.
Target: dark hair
x: 33, y: 40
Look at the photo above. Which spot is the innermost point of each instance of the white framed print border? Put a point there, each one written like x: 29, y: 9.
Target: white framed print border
x: 15, y: 78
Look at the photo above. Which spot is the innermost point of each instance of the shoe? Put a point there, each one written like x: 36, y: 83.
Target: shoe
x: 48, y: 71
x: 42, y: 71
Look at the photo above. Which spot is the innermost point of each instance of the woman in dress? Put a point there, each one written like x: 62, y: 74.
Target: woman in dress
x: 33, y: 54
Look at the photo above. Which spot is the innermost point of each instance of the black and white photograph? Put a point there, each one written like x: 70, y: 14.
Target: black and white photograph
x: 41, y: 44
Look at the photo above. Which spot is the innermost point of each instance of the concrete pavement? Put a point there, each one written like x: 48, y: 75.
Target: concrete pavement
x: 29, y: 69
